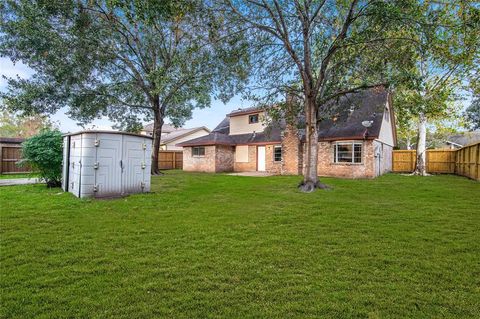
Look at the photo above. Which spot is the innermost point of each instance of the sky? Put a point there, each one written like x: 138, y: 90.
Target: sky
x: 208, y: 117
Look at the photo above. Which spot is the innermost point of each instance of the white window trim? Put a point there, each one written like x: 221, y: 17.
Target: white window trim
x: 335, y: 153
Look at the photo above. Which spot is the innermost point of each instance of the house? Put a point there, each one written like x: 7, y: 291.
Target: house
x: 172, y: 136
x: 347, y: 147
x: 457, y: 141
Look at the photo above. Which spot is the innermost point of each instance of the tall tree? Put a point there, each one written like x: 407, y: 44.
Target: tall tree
x: 319, y: 51
x: 128, y: 60
x: 445, y: 37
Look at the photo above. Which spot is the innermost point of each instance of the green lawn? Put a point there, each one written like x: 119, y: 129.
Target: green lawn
x: 217, y: 246
x: 19, y: 175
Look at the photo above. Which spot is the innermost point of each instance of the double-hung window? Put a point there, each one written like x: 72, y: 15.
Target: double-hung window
x: 277, y: 153
x: 347, y: 152
x: 198, y: 151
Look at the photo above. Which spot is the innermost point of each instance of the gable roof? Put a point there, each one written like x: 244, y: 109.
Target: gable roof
x: 179, y: 133
x: 346, y: 123
x: 166, y: 128
x: 354, y: 108
x: 464, y: 139
x: 245, y: 111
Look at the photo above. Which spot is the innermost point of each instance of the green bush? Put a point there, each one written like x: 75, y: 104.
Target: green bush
x: 43, y: 152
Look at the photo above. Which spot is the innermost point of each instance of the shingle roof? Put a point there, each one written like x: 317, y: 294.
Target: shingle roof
x: 354, y: 108
x: 166, y: 128
x: 181, y: 133
x: 464, y: 139
x: 244, y: 111
x: 271, y: 134
x: 344, y: 123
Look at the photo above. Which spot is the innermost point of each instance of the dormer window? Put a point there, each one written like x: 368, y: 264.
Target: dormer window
x: 252, y: 119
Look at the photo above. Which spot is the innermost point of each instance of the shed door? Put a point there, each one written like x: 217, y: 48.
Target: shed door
x: 133, y: 164
x: 108, y: 174
x: 75, y: 164
x: 261, y: 158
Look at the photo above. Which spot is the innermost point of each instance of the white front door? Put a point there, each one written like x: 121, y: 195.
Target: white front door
x: 261, y: 158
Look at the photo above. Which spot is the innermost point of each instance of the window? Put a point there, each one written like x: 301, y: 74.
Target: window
x: 277, y: 153
x: 198, y: 151
x: 347, y: 152
x: 252, y: 119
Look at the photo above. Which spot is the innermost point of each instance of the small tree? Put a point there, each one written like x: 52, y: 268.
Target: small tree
x: 43, y: 152
x: 446, y: 41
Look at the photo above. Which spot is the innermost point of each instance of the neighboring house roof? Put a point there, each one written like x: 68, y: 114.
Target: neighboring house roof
x: 179, y: 133
x: 464, y: 139
x: 13, y: 140
x: 166, y: 128
x: 353, y: 109
x: 171, y: 134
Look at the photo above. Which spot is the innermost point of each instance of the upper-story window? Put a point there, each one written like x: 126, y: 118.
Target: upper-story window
x: 252, y: 119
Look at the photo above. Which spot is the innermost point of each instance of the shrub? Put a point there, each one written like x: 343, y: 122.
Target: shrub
x: 43, y: 152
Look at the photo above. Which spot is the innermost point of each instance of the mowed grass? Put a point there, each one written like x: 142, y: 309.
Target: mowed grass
x: 18, y: 175
x: 218, y: 246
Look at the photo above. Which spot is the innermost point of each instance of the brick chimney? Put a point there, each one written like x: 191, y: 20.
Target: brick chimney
x: 292, y: 153
x: 292, y: 157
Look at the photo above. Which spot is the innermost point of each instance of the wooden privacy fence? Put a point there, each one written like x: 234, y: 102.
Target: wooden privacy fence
x: 170, y: 159
x: 464, y: 161
x: 9, y: 157
x: 468, y: 161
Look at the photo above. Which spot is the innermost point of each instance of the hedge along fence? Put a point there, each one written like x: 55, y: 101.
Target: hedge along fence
x: 464, y: 161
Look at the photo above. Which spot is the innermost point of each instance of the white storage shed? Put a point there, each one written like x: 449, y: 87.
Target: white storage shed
x: 106, y: 163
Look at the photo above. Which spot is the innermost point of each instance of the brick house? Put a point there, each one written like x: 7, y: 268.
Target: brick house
x: 242, y: 142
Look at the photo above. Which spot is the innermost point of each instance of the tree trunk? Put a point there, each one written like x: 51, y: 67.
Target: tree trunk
x: 310, y: 174
x: 157, y: 134
x: 421, y: 168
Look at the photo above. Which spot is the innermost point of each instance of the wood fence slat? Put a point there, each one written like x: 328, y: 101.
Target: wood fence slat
x: 170, y: 160
x: 9, y: 158
x: 464, y: 161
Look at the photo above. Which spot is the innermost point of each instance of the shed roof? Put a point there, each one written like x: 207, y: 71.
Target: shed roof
x: 107, y: 132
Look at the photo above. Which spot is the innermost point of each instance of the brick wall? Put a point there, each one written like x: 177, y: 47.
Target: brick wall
x: 205, y: 163
x: 224, y: 158
x: 326, y: 166
x: 249, y: 166
x: 292, y: 157
x: 270, y: 165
